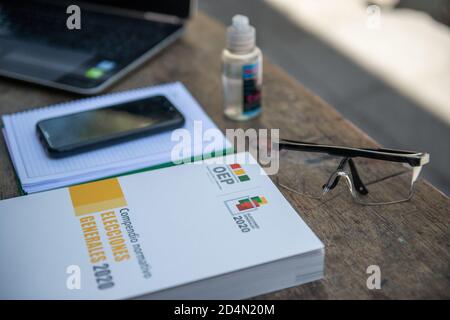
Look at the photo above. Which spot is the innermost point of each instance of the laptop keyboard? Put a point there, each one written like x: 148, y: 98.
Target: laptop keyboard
x: 110, y: 37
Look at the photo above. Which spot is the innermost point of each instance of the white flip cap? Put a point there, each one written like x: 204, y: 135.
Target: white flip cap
x: 240, y: 35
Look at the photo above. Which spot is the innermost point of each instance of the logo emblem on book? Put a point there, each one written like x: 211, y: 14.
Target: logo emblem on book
x: 228, y: 174
x: 245, y: 204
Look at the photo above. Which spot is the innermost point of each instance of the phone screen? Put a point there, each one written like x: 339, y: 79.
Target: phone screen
x: 105, y: 124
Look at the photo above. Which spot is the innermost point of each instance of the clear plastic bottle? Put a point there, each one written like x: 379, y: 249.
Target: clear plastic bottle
x: 241, y: 71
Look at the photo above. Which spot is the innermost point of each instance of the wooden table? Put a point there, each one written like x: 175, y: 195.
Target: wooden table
x: 409, y: 241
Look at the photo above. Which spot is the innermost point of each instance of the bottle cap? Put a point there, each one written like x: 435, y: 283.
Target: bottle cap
x: 240, y: 35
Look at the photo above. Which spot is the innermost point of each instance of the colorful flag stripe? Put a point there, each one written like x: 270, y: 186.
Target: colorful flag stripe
x: 239, y: 172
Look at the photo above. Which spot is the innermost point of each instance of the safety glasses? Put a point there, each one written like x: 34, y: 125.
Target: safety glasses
x: 373, y: 176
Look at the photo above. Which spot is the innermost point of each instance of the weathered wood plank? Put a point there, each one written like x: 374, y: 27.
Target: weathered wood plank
x: 409, y: 241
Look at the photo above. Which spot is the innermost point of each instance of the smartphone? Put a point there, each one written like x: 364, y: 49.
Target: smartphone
x: 89, y: 130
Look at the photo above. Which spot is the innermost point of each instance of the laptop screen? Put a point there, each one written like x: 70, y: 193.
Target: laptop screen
x: 180, y: 8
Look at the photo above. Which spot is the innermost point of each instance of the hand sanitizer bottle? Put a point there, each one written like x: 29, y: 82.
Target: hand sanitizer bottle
x: 241, y: 71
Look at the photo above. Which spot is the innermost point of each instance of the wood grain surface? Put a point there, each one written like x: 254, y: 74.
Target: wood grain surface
x: 410, y: 241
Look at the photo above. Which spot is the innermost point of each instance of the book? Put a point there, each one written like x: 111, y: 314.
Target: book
x: 36, y: 171
x: 213, y: 229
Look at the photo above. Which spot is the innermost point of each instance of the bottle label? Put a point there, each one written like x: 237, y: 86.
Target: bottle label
x: 252, y: 87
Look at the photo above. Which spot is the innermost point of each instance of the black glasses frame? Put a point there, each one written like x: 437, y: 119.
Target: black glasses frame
x: 413, y: 158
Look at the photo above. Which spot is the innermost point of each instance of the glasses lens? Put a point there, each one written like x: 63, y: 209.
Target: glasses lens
x: 385, y: 181
x: 306, y: 172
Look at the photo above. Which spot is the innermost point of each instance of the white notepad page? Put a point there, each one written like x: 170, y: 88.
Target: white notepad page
x: 38, y: 172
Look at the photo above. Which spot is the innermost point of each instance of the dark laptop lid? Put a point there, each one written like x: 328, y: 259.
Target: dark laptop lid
x: 178, y: 8
x: 39, y: 48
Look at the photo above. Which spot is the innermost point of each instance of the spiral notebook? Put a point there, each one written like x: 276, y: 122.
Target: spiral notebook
x: 38, y: 172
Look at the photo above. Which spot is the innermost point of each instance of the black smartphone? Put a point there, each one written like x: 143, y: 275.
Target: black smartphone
x: 83, y: 131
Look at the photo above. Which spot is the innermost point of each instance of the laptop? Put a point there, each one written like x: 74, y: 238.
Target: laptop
x: 115, y: 37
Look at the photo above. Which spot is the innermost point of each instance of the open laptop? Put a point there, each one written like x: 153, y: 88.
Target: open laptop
x: 115, y: 37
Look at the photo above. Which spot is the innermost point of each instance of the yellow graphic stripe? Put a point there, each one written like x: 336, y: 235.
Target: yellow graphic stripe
x: 97, y: 196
